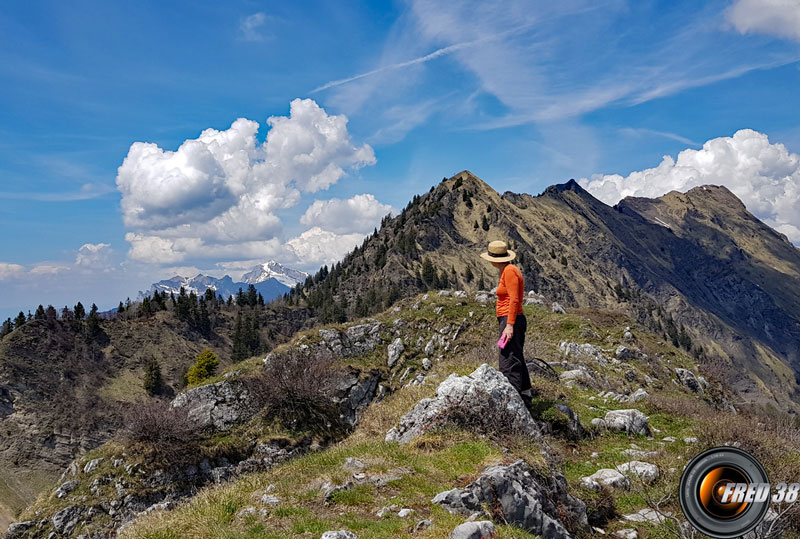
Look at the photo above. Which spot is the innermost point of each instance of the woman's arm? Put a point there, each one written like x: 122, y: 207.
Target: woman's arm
x: 514, y: 301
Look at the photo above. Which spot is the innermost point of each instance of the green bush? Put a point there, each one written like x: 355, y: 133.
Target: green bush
x: 205, y: 367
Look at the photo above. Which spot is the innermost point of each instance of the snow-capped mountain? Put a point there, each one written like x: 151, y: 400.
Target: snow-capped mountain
x: 274, y: 270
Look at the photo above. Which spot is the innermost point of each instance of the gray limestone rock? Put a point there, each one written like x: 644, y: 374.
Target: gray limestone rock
x: 643, y: 470
x: 519, y: 497
x: 393, y: 352
x: 339, y: 534
x: 606, y: 477
x: 630, y: 420
x: 218, y: 406
x: 480, y: 529
x: 483, y: 389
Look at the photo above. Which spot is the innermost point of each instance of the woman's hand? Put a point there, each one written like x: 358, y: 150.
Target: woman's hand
x: 508, y: 331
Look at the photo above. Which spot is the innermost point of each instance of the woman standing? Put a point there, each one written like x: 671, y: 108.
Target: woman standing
x: 511, y: 318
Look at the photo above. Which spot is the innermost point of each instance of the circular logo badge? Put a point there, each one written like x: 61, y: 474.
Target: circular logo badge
x: 712, y: 492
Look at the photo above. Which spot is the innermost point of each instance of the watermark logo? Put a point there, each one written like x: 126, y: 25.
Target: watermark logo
x: 725, y: 493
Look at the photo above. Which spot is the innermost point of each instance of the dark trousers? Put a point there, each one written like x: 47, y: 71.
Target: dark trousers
x: 512, y: 360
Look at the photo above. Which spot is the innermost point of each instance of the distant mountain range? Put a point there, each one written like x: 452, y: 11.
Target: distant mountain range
x: 271, y: 279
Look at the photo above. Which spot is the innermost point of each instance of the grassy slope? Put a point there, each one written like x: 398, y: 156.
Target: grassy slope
x: 445, y: 459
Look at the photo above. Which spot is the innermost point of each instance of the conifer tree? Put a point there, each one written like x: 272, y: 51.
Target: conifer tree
x: 8, y: 327
x: 79, y: 311
x: 93, y: 322
x: 20, y: 320
x: 153, y: 383
x: 50, y: 313
x: 429, y: 276
x: 468, y: 275
x: 120, y: 308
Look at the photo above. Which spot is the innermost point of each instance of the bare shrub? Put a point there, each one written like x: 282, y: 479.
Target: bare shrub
x: 298, y: 390
x: 158, y: 428
x: 483, y: 415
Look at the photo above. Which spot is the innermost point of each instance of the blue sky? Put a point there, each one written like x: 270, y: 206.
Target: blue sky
x: 371, y: 104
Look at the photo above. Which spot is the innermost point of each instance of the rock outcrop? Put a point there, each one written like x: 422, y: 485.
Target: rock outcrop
x: 521, y: 497
x: 217, y: 406
x: 484, y: 392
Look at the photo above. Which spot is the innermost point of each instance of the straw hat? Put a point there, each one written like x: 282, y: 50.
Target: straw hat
x: 498, y: 252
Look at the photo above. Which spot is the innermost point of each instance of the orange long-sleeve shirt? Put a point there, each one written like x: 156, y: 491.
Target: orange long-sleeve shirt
x: 510, y: 292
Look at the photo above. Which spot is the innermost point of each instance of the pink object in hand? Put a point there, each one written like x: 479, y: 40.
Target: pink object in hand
x: 503, y: 341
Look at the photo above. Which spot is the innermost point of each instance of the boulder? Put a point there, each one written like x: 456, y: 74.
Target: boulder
x: 92, y: 465
x: 557, y: 308
x: 691, y: 381
x: 66, y: 488
x: 18, y: 529
x: 643, y: 470
x: 363, y: 338
x: 606, y: 477
x: 218, y: 406
x: 355, y: 391
x: 630, y: 420
x: 626, y: 533
x: 460, y: 294
x: 518, y: 496
x: 623, y: 353
x: 638, y: 395
x: 480, y: 529
x: 482, y: 298
x: 393, y: 352
x: 65, y: 520
x: 572, y: 428
x: 485, y: 391
x: 444, y: 293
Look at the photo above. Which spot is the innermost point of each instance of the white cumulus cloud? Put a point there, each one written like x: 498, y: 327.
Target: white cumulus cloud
x: 319, y: 246
x: 765, y: 176
x: 359, y: 213
x: 774, y: 17
x: 93, y: 254
x: 10, y: 271
x: 216, y: 195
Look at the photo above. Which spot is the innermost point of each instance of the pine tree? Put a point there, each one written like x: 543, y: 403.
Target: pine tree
x: 239, y: 339
x: 485, y: 223
x: 481, y: 285
x: 120, y: 308
x: 153, y: 383
x: 468, y: 275
x: 50, y: 313
x: 429, y: 273
x: 19, y: 321
x: 8, y: 327
x: 80, y: 312
x: 93, y: 322
x: 39, y: 314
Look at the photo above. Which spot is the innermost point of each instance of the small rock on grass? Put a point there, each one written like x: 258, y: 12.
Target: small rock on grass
x: 626, y: 533
x: 481, y: 529
x: 339, y: 534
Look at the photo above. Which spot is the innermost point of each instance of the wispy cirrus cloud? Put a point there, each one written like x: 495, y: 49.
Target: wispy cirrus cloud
x: 251, y: 27
x: 560, y: 60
